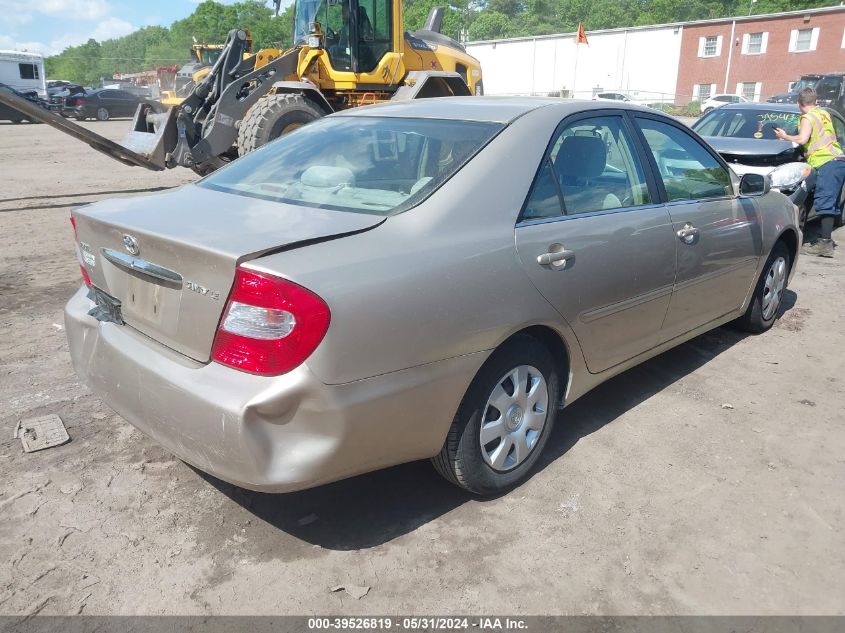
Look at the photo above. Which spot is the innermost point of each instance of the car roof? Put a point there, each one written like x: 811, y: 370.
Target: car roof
x: 753, y: 105
x: 486, y: 109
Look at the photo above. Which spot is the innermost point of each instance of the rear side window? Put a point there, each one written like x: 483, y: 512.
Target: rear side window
x: 592, y: 166
x: 362, y: 164
x: 688, y: 170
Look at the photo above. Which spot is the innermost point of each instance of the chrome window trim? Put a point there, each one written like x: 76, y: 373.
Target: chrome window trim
x: 589, y: 214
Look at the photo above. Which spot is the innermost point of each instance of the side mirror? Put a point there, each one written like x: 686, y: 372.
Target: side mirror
x: 754, y: 185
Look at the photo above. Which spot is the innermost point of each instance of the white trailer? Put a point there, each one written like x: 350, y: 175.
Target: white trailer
x: 23, y: 71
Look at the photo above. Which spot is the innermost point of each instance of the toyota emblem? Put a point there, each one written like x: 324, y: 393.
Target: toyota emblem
x: 131, y: 245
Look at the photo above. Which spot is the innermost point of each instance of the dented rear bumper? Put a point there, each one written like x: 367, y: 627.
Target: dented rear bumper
x: 273, y: 434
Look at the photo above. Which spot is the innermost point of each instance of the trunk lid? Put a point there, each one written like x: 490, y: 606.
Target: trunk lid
x: 170, y: 258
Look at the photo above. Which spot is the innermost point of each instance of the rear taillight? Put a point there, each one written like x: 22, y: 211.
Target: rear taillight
x: 84, y: 272
x: 270, y: 325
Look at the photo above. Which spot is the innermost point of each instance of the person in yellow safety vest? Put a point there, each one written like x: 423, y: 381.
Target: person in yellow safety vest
x: 825, y: 155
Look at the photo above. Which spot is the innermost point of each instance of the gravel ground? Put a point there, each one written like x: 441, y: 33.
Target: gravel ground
x: 708, y: 480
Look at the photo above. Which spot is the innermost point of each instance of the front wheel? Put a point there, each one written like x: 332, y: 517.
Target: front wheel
x: 765, y: 302
x: 103, y: 114
x: 271, y: 117
x: 504, y: 420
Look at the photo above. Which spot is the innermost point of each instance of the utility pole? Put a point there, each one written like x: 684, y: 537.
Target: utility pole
x: 751, y: 6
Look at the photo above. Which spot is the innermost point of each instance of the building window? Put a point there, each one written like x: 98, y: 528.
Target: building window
x: 748, y: 89
x: 755, y: 43
x: 28, y: 71
x: 702, y: 92
x: 710, y: 46
x: 803, y: 40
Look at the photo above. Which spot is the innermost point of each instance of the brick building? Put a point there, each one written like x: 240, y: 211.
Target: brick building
x: 759, y: 56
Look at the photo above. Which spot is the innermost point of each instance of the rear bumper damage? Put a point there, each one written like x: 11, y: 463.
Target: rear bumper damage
x: 274, y: 434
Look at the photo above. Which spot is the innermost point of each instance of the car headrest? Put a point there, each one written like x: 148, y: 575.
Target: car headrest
x: 581, y: 157
x: 328, y: 177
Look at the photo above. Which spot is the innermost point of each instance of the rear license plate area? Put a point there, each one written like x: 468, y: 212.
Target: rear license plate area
x: 107, y: 308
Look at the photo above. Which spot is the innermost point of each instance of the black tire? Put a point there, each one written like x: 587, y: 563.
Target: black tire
x: 103, y: 114
x: 273, y: 116
x: 16, y: 121
x: 708, y: 111
x: 461, y: 460
x: 753, y: 320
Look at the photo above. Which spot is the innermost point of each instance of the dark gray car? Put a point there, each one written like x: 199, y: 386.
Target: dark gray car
x: 743, y: 133
x: 105, y: 103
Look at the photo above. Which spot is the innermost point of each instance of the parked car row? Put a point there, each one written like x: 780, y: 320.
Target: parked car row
x: 71, y: 100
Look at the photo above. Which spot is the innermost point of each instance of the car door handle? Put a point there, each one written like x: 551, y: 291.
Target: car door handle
x: 554, y: 257
x: 688, y: 233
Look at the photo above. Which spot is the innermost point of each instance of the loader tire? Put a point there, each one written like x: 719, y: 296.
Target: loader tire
x: 271, y: 117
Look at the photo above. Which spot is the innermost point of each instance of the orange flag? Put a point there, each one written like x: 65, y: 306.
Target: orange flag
x: 581, y: 38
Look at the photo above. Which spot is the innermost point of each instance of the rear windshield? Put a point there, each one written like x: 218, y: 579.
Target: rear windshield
x: 372, y: 165
x: 758, y: 123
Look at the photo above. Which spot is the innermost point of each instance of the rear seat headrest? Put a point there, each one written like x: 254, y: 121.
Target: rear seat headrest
x: 581, y: 157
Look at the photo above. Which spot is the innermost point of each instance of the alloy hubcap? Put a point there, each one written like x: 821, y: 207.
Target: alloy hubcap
x: 514, y: 417
x: 773, y: 287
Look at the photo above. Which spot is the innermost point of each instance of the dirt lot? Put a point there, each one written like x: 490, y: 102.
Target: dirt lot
x: 709, y: 480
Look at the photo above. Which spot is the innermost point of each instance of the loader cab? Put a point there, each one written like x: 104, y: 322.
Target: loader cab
x: 349, y: 49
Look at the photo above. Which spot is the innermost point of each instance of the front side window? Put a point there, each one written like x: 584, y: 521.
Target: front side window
x: 592, y: 166
x: 828, y: 88
x: 371, y: 30
x: 687, y: 169
x: 372, y: 165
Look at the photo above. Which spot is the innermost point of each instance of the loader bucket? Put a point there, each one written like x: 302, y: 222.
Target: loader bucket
x: 100, y: 143
x: 154, y: 133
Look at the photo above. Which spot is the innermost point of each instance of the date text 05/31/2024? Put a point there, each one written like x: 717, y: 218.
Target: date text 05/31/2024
x: 481, y: 624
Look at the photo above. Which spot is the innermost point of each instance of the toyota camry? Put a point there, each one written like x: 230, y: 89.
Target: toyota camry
x: 430, y: 279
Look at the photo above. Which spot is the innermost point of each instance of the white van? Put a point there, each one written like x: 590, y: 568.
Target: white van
x: 23, y: 71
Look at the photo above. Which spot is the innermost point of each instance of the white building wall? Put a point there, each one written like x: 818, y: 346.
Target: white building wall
x: 640, y: 62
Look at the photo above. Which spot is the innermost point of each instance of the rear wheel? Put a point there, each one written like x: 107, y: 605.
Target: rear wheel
x: 103, y: 114
x: 17, y: 120
x: 504, y: 420
x: 765, y: 303
x: 271, y: 117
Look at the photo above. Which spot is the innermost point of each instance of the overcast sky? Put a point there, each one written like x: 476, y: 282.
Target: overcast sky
x: 48, y: 26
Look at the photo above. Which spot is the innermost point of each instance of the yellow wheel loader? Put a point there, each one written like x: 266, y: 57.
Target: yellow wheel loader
x: 346, y: 53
